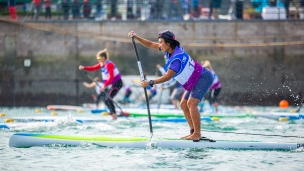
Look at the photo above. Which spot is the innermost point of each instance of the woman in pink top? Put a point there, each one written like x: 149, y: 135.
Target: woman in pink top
x: 110, y: 76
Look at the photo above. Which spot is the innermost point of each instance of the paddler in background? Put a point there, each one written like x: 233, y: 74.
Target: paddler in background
x: 127, y: 93
x: 101, y: 96
x: 177, y: 91
x: 216, y: 87
x: 151, y: 91
x: 110, y: 75
x: 194, y: 78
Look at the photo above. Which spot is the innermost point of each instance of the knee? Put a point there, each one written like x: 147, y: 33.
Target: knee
x: 183, y: 104
x: 191, y: 103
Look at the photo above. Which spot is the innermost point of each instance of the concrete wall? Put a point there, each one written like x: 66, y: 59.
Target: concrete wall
x: 258, y: 63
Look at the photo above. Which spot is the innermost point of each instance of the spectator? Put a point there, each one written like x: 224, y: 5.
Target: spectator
x: 66, y: 9
x: 216, y: 5
x: 113, y: 9
x: 152, y: 9
x: 12, y: 9
x: 138, y: 12
x: 130, y: 9
x: 86, y: 9
x: 98, y: 10
x: 47, y: 5
x: 286, y: 6
x: 185, y: 6
x: 302, y: 9
x: 210, y: 9
x: 158, y: 9
x: 272, y: 3
x: 75, y: 9
x: 173, y: 9
x: 195, y: 8
x: 37, y: 6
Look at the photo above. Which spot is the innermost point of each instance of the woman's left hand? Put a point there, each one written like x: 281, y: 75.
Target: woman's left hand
x: 145, y: 83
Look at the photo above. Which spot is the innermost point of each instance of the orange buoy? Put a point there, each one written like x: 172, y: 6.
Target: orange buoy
x: 284, y: 104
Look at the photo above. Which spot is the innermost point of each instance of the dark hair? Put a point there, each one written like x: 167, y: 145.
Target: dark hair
x: 172, y: 43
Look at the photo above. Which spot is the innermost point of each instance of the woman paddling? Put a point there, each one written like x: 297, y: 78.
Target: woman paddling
x: 101, y: 96
x: 194, y: 78
x: 110, y: 76
x: 216, y: 87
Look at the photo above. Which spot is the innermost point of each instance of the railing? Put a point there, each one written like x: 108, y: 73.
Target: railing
x: 165, y: 10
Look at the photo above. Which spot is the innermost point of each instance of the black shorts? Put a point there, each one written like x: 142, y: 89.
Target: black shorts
x: 213, y: 95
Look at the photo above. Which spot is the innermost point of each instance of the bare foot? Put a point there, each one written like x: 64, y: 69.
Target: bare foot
x: 185, y: 137
x: 114, y: 116
x: 194, y: 136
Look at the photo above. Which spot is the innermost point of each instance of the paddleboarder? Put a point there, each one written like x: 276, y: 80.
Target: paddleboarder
x: 101, y: 96
x: 110, y: 76
x: 216, y: 87
x: 194, y: 78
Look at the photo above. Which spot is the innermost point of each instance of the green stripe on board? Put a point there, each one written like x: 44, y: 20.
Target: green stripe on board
x: 166, y: 115
x: 92, y: 138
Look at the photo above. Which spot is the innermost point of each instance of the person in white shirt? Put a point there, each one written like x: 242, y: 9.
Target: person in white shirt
x: 97, y: 85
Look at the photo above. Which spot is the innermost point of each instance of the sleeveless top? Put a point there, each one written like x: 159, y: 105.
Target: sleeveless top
x: 105, y: 73
x: 190, y: 70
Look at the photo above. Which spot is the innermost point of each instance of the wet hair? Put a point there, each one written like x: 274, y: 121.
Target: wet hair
x: 172, y: 43
x: 102, y: 53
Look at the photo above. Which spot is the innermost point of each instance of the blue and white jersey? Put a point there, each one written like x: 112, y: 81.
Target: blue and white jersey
x: 190, y: 70
x: 105, y: 73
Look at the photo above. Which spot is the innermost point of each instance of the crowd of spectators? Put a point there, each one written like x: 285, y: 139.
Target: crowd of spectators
x: 147, y: 9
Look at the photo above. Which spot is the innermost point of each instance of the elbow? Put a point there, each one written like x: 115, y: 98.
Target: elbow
x: 167, y: 78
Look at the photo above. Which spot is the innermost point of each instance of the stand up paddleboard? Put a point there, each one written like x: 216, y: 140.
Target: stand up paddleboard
x: 25, y: 140
x: 278, y: 115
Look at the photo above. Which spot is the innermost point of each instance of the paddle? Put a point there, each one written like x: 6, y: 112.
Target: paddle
x: 298, y: 110
x: 143, y: 78
x: 104, y: 92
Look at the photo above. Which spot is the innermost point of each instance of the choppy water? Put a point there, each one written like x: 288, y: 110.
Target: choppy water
x: 90, y: 157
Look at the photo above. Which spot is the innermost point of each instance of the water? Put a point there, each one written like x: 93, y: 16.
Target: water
x: 89, y: 157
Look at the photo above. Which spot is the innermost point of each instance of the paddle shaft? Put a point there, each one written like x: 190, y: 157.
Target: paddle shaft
x: 143, y: 78
x: 298, y: 110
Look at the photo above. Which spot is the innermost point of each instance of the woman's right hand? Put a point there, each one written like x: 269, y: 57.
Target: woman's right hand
x: 80, y: 67
x: 131, y: 34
